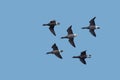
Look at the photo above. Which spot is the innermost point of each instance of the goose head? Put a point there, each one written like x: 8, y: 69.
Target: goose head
x: 97, y: 27
x: 89, y: 56
x: 57, y: 23
x: 60, y: 50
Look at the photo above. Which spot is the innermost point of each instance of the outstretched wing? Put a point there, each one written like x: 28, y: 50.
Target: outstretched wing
x: 52, y: 30
x: 52, y: 21
x: 71, y: 40
x: 83, y: 60
x: 58, y: 55
x: 92, y: 31
x: 69, y: 30
x: 83, y: 53
x: 92, y: 22
x: 54, y: 46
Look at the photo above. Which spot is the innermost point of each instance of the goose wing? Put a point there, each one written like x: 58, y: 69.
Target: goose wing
x: 69, y: 30
x: 92, y: 22
x: 52, y: 21
x: 54, y: 46
x: 52, y: 30
x: 92, y: 31
x: 83, y: 53
x: 83, y: 60
x: 71, y: 40
x: 58, y: 55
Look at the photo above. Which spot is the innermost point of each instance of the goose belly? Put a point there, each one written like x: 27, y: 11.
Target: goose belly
x: 70, y: 35
x: 56, y: 51
x: 92, y: 27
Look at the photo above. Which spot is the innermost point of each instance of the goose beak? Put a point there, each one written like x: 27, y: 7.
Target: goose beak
x: 98, y: 27
x: 89, y: 56
x: 61, y: 50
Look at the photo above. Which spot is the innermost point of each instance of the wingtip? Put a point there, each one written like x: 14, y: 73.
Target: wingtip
x: 61, y: 58
x: 70, y: 26
x: 94, y: 35
x: 54, y: 34
x: 74, y: 46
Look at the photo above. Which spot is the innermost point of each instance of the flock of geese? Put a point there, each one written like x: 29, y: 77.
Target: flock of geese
x: 70, y: 36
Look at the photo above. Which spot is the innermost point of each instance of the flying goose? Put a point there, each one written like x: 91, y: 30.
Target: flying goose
x: 51, y: 25
x: 92, y: 26
x: 82, y: 57
x: 55, y: 51
x: 70, y: 36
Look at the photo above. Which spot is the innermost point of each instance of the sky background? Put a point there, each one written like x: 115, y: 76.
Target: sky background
x: 24, y: 41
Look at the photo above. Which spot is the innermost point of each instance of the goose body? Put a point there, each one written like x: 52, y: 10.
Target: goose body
x: 82, y: 57
x: 55, y: 51
x: 51, y: 25
x: 70, y: 36
x: 92, y: 27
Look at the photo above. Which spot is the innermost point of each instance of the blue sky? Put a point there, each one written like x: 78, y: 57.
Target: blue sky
x: 24, y: 41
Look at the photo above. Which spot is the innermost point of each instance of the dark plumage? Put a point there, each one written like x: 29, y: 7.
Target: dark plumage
x: 70, y: 36
x: 55, y: 51
x: 92, y: 26
x: 82, y: 57
x: 51, y: 25
x: 92, y: 22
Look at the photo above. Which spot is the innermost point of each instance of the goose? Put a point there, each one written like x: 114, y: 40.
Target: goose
x: 70, y: 36
x: 51, y: 25
x: 92, y: 26
x: 82, y: 57
x: 55, y: 51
